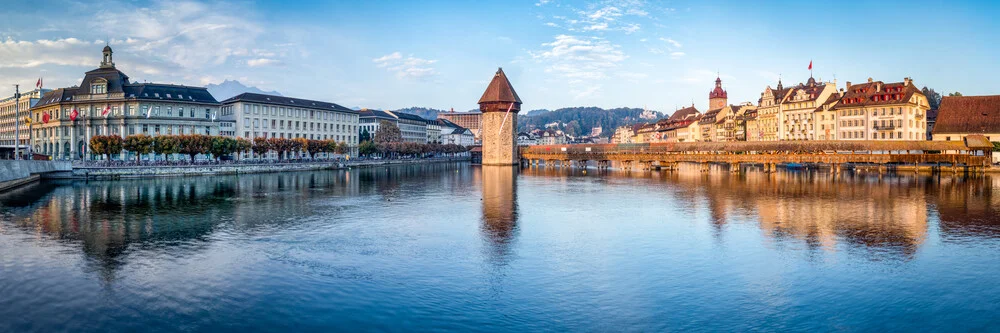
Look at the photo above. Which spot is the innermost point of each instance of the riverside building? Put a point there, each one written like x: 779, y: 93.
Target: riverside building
x: 473, y: 120
x: 259, y: 115
x: 882, y: 111
x: 107, y: 103
x: 8, y: 119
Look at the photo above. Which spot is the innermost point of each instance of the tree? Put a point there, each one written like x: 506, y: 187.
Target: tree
x: 314, y: 147
x: 139, y: 144
x: 341, y: 148
x: 933, y: 97
x: 281, y: 146
x: 261, y: 146
x: 194, y: 144
x: 300, y: 144
x: 387, y: 133
x: 165, y: 144
x: 98, y: 145
x: 222, y: 146
x: 367, y: 148
x: 955, y: 94
x: 365, y: 136
x: 242, y: 146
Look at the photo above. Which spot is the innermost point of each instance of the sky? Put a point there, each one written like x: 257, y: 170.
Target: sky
x: 441, y: 54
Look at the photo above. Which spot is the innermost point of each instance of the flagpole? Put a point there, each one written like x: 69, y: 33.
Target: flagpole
x: 17, y: 121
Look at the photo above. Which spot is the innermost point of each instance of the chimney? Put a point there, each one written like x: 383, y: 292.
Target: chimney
x: 848, y: 83
x: 906, y: 81
x: 870, y: 80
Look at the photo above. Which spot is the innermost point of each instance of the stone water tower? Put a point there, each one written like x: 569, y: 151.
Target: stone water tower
x: 499, y: 106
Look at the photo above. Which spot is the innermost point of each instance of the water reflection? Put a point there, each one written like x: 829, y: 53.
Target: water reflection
x: 499, y: 223
x: 887, y: 217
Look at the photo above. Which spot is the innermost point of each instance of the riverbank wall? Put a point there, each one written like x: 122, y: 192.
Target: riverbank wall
x: 97, y: 172
x: 15, y: 173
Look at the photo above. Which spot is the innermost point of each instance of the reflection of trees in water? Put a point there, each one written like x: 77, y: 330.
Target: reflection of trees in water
x: 968, y: 207
x: 176, y: 213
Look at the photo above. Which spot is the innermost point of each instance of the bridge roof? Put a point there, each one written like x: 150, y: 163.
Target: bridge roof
x: 792, y: 146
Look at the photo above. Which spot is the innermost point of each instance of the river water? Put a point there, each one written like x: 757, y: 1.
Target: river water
x: 462, y: 248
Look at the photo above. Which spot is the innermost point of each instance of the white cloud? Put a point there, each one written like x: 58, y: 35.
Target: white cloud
x: 579, y: 59
x: 676, y: 55
x: 630, y: 28
x: 60, y: 52
x: 597, y: 27
x: 542, y: 2
x: 262, y: 62
x: 671, y: 42
x: 551, y: 24
x: 406, y: 68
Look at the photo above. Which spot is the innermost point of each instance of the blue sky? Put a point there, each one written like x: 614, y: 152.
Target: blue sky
x: 441, y: 54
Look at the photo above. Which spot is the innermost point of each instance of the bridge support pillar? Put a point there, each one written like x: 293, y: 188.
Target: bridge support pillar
x: 705, y: 166
x: 582, y: 164
x: 734, y: 167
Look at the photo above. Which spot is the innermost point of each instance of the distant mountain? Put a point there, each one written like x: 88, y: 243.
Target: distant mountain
x: 578, y: 121
x: 426, y: 113
x: 228, y: 89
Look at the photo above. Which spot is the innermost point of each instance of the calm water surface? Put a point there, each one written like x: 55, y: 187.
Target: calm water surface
x: 456, y: 247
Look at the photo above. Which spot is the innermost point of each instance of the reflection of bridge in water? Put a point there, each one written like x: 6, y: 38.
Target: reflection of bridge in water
x: 971, y: 155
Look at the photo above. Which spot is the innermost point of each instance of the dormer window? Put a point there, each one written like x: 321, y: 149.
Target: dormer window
x: 99, y: 86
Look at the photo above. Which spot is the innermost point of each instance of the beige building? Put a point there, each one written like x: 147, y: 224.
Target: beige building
x: 8, y: 119
x: 769, y: 117
x: 882, y: 111
x: 106, y: 102
x: 799, y: 106
x: 826, y: 118
x: 267, y: 116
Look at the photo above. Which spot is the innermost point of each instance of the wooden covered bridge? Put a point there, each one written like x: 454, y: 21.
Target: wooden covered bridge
x: 970, y: 155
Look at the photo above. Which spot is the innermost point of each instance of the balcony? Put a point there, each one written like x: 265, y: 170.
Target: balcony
x: 888, y: 127
x: 99, y: 97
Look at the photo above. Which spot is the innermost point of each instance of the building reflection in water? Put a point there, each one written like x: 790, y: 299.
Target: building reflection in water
x: 863, y: 214
x: 106, y: 217
x: 499, y: 223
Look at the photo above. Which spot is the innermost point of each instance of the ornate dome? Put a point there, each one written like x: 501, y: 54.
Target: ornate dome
x: 718, y: 92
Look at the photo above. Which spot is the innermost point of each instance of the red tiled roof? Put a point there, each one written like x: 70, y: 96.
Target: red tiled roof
x: 500, y: 90
x: 968, y: 114
x: 877, y: 93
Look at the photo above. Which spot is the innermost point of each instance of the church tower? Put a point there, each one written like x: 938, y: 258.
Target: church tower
x: 499, y: 106
x: 107, y: 62
x: 718, y: 98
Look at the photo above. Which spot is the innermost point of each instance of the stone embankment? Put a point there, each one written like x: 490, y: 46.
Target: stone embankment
x: 98, y: 172
x: 16, y: 173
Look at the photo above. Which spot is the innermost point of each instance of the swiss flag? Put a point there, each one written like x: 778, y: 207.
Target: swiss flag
x: 810, y: 64
x: 39, y: 84
x: 45, y: 118
x: 107, y: 109
x: 72, y: 115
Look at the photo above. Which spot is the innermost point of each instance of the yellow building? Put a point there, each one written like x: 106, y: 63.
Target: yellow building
x: 797, y: 110
x: 826, y: 118
x: 769, y: 122
x: 882, y: 111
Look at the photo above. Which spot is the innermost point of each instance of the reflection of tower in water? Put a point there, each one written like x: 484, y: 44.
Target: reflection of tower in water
x: 499, y: 224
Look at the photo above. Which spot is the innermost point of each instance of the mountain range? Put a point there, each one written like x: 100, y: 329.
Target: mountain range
x: 230, y: 88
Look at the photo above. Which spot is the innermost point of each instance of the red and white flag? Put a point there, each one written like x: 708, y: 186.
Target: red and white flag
x: 45, y: 118
x: 74, y: 114
x: 106, y: 112
x: 39, y: 83
x: 810, y: 65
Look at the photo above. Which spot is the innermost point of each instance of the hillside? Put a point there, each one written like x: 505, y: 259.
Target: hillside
x: 579, y: 120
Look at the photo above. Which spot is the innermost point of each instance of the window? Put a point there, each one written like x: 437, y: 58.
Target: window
x: 98, y: 88
x: 246, y: 109
x: 169, y: 112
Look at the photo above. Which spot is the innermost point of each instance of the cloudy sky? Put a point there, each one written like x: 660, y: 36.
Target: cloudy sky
x: 441, y: 54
